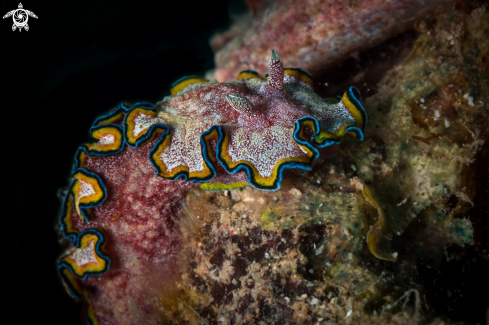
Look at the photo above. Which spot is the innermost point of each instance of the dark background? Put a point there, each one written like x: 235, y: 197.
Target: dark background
x: 78, y: 60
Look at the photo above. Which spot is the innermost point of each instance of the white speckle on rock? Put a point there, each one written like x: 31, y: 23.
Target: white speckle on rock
x: 470, y: 99
x: 402, y: 202
x: 319, y: 250
x: 313, y: 301
x: 295, y: 191
x: 348, y: 314
x: 354, y: 168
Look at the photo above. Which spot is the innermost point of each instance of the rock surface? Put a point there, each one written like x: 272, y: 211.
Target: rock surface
x: 313, y: 35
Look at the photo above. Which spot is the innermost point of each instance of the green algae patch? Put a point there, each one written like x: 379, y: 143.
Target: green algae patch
x: 276, y: 217
x: 350, y: 277
x: 459, y: 231
x: 313, y: 207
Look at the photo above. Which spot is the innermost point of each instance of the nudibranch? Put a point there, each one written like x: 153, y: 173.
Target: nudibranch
x: 246, y: 131
x: 254, y: 125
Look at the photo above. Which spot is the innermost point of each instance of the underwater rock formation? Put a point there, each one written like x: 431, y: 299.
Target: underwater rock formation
x: 311, y: 251
x: 428, y: 123
x: 314, y: 35
x: 339, y: 243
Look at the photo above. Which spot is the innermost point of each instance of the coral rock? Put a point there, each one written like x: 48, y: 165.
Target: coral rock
x: 313, y: 35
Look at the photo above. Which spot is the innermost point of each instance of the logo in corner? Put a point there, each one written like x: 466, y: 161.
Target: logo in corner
x: 20, y: 17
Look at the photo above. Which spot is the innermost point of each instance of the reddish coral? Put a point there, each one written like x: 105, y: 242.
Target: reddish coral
x: 314, y: 35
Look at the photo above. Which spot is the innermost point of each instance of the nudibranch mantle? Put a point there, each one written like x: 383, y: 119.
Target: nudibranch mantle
x: 246, y: 131
x: 251, y: 124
